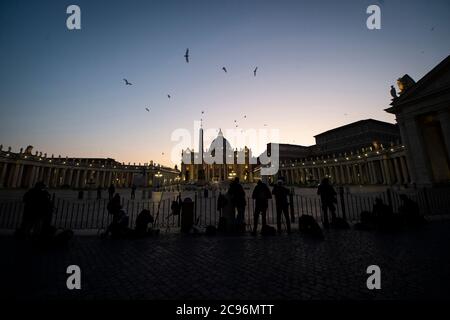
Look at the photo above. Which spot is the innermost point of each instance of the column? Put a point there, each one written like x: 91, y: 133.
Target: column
x: 404, y: 169
x: 398, y: 175
x: 3, y: 174
x: 444, y: 119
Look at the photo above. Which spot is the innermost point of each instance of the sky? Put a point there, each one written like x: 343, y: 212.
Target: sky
x: 319, y: 67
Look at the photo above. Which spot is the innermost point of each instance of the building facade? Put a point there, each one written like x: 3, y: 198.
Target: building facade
x: 381, y: 167
x: 365, y: 152
x: 218, y: 163
x: 422, y: 111
x: 23, y: 169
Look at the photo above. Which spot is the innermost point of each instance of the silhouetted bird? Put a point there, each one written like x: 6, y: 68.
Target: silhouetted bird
x: 224, y: 69
x: 393, y: 92
x: 432, y: 28
x: 265, y: 125
x: 254, y: 71
x: 127, y: 83
x: 186, y: 55
x: 245, y: 117
x: 168, y: 96
x: 148, y: 110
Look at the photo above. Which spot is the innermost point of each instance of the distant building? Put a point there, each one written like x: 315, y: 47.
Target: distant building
x: 347, y: 139
x: 23, y: 169
x: 229, y: 163
x: 356, y: 136
x: 363, y: 152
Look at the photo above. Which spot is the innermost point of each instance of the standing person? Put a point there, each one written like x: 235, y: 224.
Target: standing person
x: 328, y: 199
x: 261, y: 194
x: 32, y: 209
x: 237, y: 195
x: 114, y: 208
x: 282, y: 204
x: 133, y: 191
x: 111, y: 191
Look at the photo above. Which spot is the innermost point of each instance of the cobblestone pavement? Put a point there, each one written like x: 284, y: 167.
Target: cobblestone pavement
x: 414, y: 263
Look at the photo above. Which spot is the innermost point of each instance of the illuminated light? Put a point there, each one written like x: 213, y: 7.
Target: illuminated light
x: 403, y: 146
x: 25, y: 157
x: 392, y: 150
x: 347, y: 159
x: 303, y: 164
x: 359, y: 157
x: 324, y: 162
x: 378, y: 152
x: 335, y: 160
x: 366, y: 155
x: 314, y: 162
x: 64, y: 162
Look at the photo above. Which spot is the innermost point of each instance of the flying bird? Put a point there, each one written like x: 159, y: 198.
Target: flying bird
x: 148, y: 110
x: 254, y: 71
x: 393, y: 92
x: 224, y: 69
x: 245, y: 117
x: 127, y: 83
x: 186, y: 55
x: 168, y: 96
x: 432, y: 28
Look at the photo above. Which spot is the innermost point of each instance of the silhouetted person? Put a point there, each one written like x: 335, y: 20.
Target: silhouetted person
x: 111, y: 191
x: 237, y: 195
x: 119, y: 217
x: 328, y: 199
x: 381, y: 210
x: 261, y: 194
x: 221, y: 201
x: 409, y: 210
x: 205, y: 193
x: 99, y: 192
x: 143, y: 219
x: 133, y: 191
x: 37, y: 210
x: 176, y: 206
x: 282, y: 205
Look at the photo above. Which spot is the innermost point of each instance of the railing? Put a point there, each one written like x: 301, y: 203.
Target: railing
x: 92, y: 214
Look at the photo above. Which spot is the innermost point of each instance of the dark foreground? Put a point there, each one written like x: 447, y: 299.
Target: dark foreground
x: 414, y: 264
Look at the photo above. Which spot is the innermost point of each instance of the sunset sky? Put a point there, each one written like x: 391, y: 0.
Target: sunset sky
x: 319, y: 67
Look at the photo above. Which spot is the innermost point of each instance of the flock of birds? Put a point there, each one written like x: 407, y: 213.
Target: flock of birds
x: 186, y: 57
x: 224, y: 69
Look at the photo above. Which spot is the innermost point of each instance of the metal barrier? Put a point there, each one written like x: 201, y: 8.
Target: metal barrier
x: 93, y: 214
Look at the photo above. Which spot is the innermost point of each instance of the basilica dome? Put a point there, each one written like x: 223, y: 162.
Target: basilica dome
x: 219, y: 143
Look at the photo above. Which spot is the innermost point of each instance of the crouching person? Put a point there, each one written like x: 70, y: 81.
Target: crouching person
x: 142, y: 228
